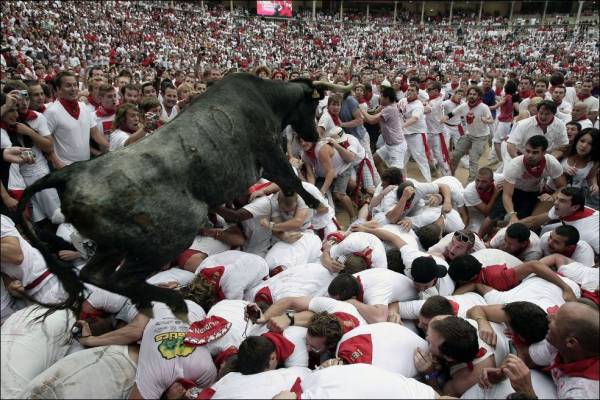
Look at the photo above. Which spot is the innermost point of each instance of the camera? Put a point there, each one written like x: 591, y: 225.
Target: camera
x: 253, y: 312
x: 28, y: 154
x: 152, y: 117
x: 24, y: 94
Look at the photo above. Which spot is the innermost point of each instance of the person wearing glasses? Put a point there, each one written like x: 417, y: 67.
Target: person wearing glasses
x: 457, y: 244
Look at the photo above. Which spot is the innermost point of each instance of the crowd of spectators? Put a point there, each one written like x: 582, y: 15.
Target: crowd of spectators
x: 431, y: 285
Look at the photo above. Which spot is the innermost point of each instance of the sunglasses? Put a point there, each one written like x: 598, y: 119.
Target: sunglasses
x: 463, y: 237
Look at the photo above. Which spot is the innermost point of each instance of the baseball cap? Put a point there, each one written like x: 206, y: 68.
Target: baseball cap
x: 425, y: 269
x: 338, y: 134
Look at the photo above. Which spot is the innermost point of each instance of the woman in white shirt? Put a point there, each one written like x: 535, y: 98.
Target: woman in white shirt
x: 127, y: 128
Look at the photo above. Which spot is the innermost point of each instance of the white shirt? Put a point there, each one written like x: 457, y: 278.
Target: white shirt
x: 449, y: 107
x: 40, y: 166
x: 584, y: 276
x: 543, y: 354
x: 306, y: 280
x: 477, y: 127
x: 556, y: 134
x: 535, y: 290
x: 240, y: 271
x: 332, y: 306
x: 583, y: 253
x: 444, y: 286
x: 258, y: 238
x: 71, y: 136
x: 319, y: 221
x: 533, y: 252
x: 456, y: 190
x: 359, y: 242
x: 386, y: 345
x: 495, y: 256
x: 362, y: 381
x: 391, y: 199
x: 516, y: 174
x: 563, y: 111
x: 472, y: 198
x: 412, y: 309
x: 440, y: 247
x: 433, y: 118
x: 384, y: 286
x: 587, y: 227
x: 233, y: 311
x: 592, y: 103
x: 413, y: 109
x: 164, y: 357
x: 167, y: 117
x: 117, y: 139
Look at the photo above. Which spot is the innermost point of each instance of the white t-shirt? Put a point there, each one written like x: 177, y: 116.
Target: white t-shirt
x: 306, y: 280
x: 583, y: 253
x: 388, y: 202
x: 535, y: 290
x: 556, y: 133
x: 592, y: 103
x: 587, y: 227
x: 516, y: 174
x: 264, y: 385
x: 117, y: 139
x: 543, y: 354
x: 494, y: 256
x: 443, y: 287
x: 413, y: 109
x: 532, y: 252
x: 319, y: 221
x: 584, y: 276
x: 71, y: 136
x: 464, y: 302
x: 286, y: 216
x: 258, y: 238
x: 456, y: 189
x: 234, y: 312
x: 326, y: 122
x: 477, y: 127
x: 386, y: 345
x: 360, y: 242
x: 362, y: 381
x: 543, y: 386
x: 181, y: 276
x: 440, y: 247
x: 472, y: 199
x: 239, y: 271
x: 164, y: 357
x: 433, y: 118
x: 40, y: 166
x: 384, y: 286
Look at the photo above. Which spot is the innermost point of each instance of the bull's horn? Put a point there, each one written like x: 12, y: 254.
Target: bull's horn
x: 332, y: 86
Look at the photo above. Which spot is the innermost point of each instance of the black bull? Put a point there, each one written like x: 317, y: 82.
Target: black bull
x: 145, y: 203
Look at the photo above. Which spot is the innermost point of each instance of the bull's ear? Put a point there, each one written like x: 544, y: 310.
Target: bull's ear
x: 316, y: 94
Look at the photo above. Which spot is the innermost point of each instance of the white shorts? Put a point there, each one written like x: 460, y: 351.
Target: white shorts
x: 502, y: 131
x: 28, y: 348
x: 305, y: 250
x: 105, y: 372
x: 393, y: 155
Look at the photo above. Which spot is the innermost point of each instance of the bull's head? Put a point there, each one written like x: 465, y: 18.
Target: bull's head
x: 303, y: 118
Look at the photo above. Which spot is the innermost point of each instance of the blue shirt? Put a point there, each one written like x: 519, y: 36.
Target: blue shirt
x: 349, y: 104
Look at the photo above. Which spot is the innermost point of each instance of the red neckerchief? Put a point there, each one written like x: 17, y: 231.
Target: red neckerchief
x: 9, y: 129
x: 526, y: 94
x: 535, y: 170
x: 335, y: 119
x: 408, y: 204
x: 423, y: 86
x: 311, y: 153
x: 213, y: 276
x: 544, y: 127
x: 345, y: 144
x: 583, y: 97
x: 487, y: 195
x: 473, y: 105
x: 264, y: 295
x: 434, y: 97
x: 587, y: 368
x: 72, y: 107
x: 92, y: 315
x: 283, y: 346
x: 453, y: 86
x: 92, y: 102
x: 258, y: 186
x: 498, y: 91
x: 455, y: 307
x: 28, y: 115
x: 581, y: 118
x: 103, y: 112
x: 297, y: 388
x: 347, y: 321
x: 479, y: 354
x: 579, y: 214
x: 366, y: 255
x: 368, y: 97
x: 569, y: 250
x: 42, y: 109
x: 224, y: 355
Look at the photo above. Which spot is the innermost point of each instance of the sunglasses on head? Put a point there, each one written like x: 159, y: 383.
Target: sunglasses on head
x: 463, y: 237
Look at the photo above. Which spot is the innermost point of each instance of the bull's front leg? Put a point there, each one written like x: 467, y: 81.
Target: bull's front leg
x: 279, y: 170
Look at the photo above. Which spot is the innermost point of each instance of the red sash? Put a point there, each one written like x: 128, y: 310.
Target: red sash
x: 535, y: 170
x: 577, y: 215
x: 72, y: 107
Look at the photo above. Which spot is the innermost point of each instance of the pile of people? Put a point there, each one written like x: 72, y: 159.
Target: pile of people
x: 472, y: 272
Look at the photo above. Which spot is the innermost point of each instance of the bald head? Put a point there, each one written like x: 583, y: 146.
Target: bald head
x: 580, y: 109
x: 580, y: 321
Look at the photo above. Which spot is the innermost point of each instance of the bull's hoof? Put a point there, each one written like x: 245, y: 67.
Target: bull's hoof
x: 314, y: 204
x: 147, y: 311
x: 182, y: 316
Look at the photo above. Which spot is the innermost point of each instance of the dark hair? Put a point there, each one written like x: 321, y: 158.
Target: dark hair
x: 14, y: 85
x: 394, y: 260
x: 477, y: 89
x: 549, y: 104
x: 537, y: 141
x: 570, y: 232
x: 390, y: 93
x: 511, y: 87
x: 327, y: 326
x: 557, y: 79
x: 355, y: 263
x: 460, y: 338
x: 577, y: 196
x: 429, y: 235
x: 60, y: 76
x: 575, y: 124
x: 464, y: 268
x: 436, y: 305
x: 436, y: 85
x: 527, y: 320
x: 92, y: 69
x: 130, y: 86
x: 401, y: 187
x: 521, y: 396
x: 201, y: 292
x: 594, y: 133
x: 485, y: 171
x: 148, y: 103
x: 544, y: 81
x: 254, y: 355
x: 527, y: 78
x: 344, y: 287
x: 519, y: 232
x: 393, y: 176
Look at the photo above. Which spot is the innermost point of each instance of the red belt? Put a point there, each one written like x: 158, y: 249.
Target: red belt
x: 38, y: 280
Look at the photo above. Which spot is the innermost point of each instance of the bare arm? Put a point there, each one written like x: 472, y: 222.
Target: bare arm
x: 11, y: 250
x: 128, y: 334
x: 357, y: 121
x: 543, y: 271
x: 507, y: 201
x: 44, y: 143
x: 99, y: 138
x: 371, y: 313
x: 293, y: 224
x: 383, y: 235
x: 512, y: 149
x: 287, y: 303
x: 234, y: 215
x: 135, y: 136
x: 371, y: 119
x: 325, y: 158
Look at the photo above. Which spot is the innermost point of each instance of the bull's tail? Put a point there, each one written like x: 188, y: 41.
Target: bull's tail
x: 64, y: 272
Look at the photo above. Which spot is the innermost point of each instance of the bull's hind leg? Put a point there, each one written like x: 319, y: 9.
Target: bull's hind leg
x: 130, y: 281
x: 100, y: 267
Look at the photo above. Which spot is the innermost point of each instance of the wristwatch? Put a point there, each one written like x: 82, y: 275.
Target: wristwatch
x: 290, y: 315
